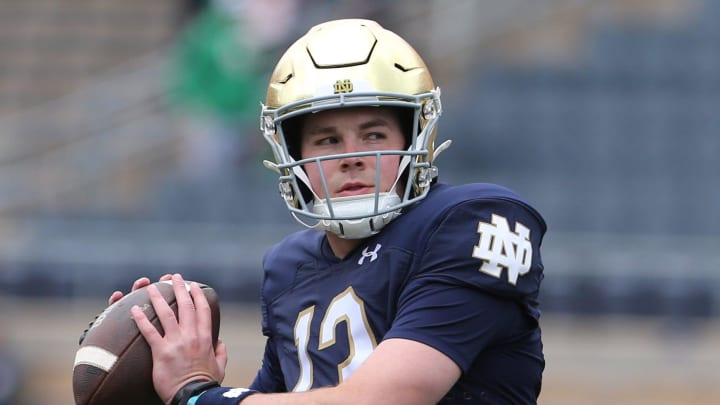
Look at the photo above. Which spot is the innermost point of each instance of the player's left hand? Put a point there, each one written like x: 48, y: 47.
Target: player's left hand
x: 185, y: 352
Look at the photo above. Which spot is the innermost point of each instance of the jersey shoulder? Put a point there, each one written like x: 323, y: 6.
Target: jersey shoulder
x: 444, y: 198
x: 283, y: 259
x: 481, y: 236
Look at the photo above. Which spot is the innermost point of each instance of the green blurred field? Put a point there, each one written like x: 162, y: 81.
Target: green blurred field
x: 633, y: 361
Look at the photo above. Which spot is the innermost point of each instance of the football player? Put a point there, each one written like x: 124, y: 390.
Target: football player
x: 404, y: 290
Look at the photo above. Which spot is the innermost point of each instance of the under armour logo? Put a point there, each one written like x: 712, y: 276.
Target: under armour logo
x: 372, y: 255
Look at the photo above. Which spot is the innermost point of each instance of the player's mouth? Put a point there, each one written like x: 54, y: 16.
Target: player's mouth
x: 355, y: 188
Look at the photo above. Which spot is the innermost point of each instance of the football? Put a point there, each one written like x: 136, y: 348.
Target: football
x: 114, y: 364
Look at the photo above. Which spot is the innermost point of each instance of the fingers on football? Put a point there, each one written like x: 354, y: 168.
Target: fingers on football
x: 221, y: 356
x: 140, y: 283
x: 115, y: 297
x: 185, y: 306
x: 164, y: 313
x: 145, y: 326
x: 202, y: 312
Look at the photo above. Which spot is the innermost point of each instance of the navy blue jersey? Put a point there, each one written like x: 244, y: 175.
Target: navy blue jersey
x: 459, y: 271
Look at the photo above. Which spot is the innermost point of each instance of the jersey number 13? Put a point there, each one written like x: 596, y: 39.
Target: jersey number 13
x: 346, y: 307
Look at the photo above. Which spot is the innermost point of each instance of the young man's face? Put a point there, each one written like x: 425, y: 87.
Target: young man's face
x: 349, y: 130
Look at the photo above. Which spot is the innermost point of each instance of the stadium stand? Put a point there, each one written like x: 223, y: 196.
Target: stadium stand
x: 615, y: 141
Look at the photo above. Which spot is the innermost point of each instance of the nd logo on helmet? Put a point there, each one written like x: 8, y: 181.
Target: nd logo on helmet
x: 343, y: 86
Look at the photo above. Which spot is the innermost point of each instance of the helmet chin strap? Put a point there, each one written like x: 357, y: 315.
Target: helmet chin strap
x: 353, y: 205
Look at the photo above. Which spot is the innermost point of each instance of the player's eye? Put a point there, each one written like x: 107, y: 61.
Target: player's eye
x: 375, y: 136
x: 328, y: 140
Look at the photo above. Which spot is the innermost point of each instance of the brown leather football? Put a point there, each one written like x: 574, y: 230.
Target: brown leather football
x: 114, y: 364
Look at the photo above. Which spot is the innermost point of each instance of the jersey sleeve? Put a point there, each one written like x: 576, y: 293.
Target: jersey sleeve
x: 459, y: 322
x: 269, y: 377
x: 476, y: 281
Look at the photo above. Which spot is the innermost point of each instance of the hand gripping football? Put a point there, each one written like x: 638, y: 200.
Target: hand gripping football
x: 114, y: 363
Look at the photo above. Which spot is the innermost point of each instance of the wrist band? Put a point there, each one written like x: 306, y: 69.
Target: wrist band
x: 222, y: 396
x: 191, y: 389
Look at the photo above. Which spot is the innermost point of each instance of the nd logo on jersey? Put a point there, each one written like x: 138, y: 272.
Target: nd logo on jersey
x: 499, y: 248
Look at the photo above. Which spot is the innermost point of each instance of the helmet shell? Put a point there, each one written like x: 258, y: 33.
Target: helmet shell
x: 342, y: 64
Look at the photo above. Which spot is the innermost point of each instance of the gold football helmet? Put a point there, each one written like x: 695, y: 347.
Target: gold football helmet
x: 341, y: 64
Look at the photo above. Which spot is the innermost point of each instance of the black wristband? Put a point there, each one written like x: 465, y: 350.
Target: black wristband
x: 191, y: 389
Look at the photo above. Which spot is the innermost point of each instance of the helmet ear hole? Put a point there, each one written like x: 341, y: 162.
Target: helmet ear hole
x: 406, y: 117
x: 307, y: 195
x: 291, y: 132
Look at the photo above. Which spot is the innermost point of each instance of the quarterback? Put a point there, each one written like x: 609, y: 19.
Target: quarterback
x: 403, y: 289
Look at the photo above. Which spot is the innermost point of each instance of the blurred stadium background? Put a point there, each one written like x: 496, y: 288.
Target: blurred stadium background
x: 128, y: 147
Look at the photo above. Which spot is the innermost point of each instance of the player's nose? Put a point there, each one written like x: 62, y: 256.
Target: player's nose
x: 352, y: 162
x: 351, y: 146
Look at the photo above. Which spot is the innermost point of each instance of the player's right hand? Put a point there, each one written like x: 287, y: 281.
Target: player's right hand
x: 184, y: 352
x: 139, y: 283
